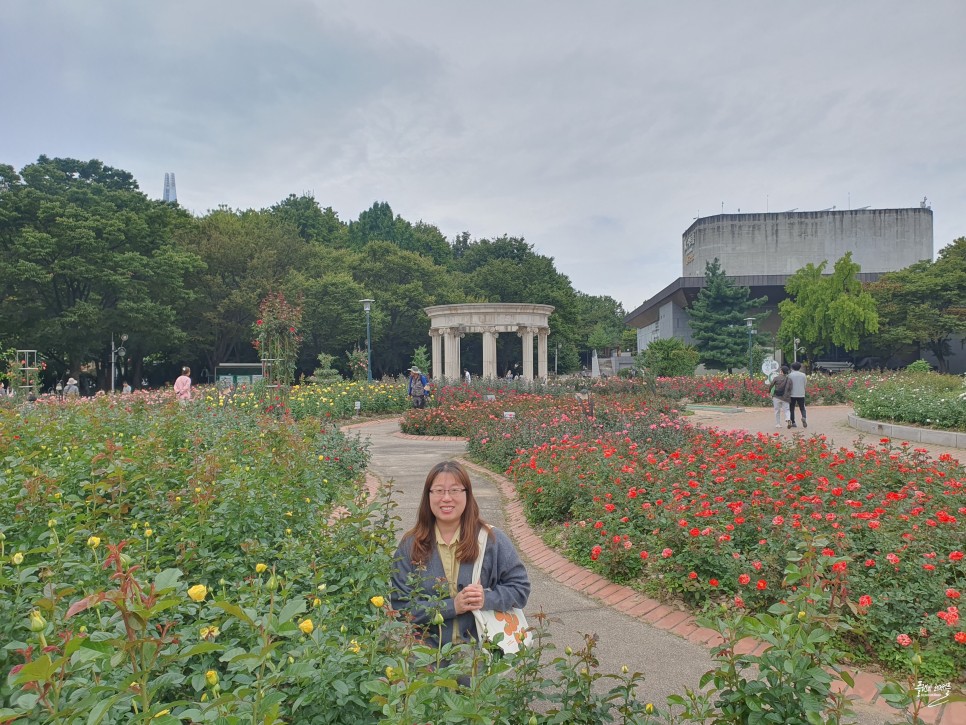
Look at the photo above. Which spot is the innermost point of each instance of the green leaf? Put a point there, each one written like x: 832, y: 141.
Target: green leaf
x: 234, y: 610
x: 291, y: 608
x: 167, y: 579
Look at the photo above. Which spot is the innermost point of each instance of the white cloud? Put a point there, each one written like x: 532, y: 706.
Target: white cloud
x: 596, y: 131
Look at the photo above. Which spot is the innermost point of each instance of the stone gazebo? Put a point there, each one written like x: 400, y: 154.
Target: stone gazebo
x: 448, y: 323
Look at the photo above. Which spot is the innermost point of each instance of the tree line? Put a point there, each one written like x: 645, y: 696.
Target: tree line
x: 87, y: 255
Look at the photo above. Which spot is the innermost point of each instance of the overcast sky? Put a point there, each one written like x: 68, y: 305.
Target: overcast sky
x: 595, y: 130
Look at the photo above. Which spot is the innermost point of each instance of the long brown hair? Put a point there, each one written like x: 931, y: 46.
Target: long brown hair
x: 424, y: 534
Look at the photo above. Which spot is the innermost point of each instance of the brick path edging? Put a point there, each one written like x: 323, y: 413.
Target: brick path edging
x: 677, y: 621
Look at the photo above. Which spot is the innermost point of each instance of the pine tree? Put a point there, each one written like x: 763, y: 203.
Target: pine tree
x: 718, y: 319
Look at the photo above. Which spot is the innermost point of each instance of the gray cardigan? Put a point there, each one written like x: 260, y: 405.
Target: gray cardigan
x: 504, y: 579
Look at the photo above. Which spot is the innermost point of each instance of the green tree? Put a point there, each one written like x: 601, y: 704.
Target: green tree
x: 718, y: 319
x: 923, y: 304
x: 600, y: 321
x: 669, y: 357
x: 86, y: 254
x: 246, y: 254
x: 827, y: 310
x: 314, y: 224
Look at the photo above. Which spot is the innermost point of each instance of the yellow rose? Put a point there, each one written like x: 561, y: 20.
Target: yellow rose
x: 316, y: 602
x: 306, y: 626
x: 37, y: 621
x: 17, y: 559
x: 211, y: 677
x: 649, y: 708
x: 198, y: 592
x: 259, y: 568
x: 389, y: 673
x: 354, y: 646
x: 94, y: 542
x: 148, y: 533
x: 377, y: 601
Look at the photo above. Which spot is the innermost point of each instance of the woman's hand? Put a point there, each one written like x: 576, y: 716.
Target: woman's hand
x: 470, y: 599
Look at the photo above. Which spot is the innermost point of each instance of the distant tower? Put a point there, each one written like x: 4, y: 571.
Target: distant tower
x: 170, y: 191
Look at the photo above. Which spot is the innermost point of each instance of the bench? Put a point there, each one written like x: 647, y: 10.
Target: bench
x: 831, y: 366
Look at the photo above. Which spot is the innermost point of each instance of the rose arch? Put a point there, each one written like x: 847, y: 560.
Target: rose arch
x: 448, y: 323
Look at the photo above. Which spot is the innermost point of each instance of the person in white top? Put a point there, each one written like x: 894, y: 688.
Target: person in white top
x: 797, y: 379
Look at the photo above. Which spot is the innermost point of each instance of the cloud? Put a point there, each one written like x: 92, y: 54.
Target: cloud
x: 595, y: 131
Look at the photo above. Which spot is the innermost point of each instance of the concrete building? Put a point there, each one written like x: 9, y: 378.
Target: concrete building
x: 761, y: 251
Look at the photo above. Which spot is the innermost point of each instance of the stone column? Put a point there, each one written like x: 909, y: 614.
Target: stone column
x: 489, y: 354
x: 452, y: 364
x: 542, y: 353
x: 527, y: 334
x: 437, y: 369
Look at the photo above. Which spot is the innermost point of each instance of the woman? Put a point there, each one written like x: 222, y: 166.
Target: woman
x: 781, y: 392
x: 182, y: 386
x: 442, y: 548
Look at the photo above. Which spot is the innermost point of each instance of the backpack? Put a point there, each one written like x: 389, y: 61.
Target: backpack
x: 418, y: 388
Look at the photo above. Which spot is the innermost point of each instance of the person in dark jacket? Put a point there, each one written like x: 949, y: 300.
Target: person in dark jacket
x: 781, y: 391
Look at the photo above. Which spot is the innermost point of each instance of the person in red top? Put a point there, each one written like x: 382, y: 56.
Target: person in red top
x: 182, y: 386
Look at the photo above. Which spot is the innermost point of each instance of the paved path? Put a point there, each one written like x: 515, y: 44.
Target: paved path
x: 636, y: 631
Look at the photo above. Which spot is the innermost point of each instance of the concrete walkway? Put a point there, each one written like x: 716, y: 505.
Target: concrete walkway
x: 662, y: 642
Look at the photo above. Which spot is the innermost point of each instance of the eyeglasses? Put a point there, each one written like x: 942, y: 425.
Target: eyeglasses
x: 451, y: 492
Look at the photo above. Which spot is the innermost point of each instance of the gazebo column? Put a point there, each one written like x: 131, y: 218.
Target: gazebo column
x: 527, y: 334
x: 452, y: 363
x: 542, y: 353
x: 489, y: 354
x: 437, y: 370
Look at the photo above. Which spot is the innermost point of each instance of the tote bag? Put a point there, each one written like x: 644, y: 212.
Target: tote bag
x: 512, y: 624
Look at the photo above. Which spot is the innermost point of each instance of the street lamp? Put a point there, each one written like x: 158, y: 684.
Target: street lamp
x: 750, y: 321
x: 115, y: 351
x: 367, y: 306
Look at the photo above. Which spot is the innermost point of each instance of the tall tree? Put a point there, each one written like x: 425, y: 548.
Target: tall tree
x: 718, y: 319
x: 247, y: 255
x: 87, y: 255
x: 314, y: 224
x: 924, y: 304
x: 827, y: 310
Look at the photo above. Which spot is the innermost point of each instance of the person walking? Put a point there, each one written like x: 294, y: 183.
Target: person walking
x: 797, y: 379
x: 439, y: 553
x: 72, y: 389
x: 182, y: 386
x: 417, y: 387
x: 781, y: 391
x: 466, y: 375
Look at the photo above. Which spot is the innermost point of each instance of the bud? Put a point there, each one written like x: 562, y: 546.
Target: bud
x: 93, y: 541
x: 259, y: 568
x: 649, y: 708
x: 17, y: 559
x: 568, y: 651
x: 306, y: 626
x: 801, y: 616
x: 377, y: 601
x: 272, y: 583
x: 37, y: 622
x: 125, y: 560
x: 3, y: 536
x: 624, y: 669
x: 211, y: 677
x: 437, y: 619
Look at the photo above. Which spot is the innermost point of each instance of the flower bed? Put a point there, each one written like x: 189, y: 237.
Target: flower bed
x: 710, y: 517
x: 924, y: 399
x: 742, y: 390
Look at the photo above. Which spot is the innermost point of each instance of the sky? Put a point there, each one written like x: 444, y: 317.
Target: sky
x: 597, y: 131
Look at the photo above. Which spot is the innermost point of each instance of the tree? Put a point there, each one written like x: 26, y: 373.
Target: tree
x: 670, y: 357
x: 246, y: 254
x: 718, y: 319
x: 600, y: 321
x: 827, y: 310
x: 87, y: 255
x: 924, y: 304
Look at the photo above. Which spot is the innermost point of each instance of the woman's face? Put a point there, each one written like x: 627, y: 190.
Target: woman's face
x: 447, y: 498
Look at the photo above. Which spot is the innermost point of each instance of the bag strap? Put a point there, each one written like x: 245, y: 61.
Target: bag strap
x: 478, y: 564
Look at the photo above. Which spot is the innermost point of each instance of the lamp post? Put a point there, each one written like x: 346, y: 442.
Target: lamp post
x: 367, y: 306
x: 115, y: 351
x: 750, y: 321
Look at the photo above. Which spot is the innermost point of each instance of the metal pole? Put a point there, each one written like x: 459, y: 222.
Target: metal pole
x: 368, y: 346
